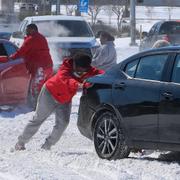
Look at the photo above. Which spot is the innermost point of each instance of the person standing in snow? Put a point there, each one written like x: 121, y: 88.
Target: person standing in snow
x: 105, y: 56
x: 56, y: 96
x: 35, y: 52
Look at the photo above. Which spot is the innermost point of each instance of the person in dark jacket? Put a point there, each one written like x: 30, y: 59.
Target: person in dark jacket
x: 56, y: 96
x: 35, y: 52
x: 105, y: 56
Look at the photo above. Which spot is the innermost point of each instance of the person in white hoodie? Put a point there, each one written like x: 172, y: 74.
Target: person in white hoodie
x: 105, y: 56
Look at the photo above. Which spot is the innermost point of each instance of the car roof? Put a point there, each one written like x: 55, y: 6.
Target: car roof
x: 162, y: 49
x: 167, y: 49
x: 167, y: 21
x: 55, y: 17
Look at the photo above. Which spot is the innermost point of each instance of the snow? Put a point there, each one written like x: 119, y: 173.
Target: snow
x: 73, y: 157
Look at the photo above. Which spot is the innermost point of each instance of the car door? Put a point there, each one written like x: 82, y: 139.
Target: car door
x: 137, y: 98
x: 14, y: 78
x: 169, y: 115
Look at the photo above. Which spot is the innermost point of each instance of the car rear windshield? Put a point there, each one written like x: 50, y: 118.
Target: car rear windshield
x: 64, y: 28
x: 170, y: 28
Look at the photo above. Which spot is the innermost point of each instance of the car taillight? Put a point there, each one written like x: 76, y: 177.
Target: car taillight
x: 166, y: 37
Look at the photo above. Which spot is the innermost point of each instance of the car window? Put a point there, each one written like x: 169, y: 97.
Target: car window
x: 176, y: 70
x: 152, y: 30
x: 130, y: 68
x: 170, y: 28
x: 157, y: 28
x: 10, y: 49
x: 64, y: 28
x: 23, y: 26
x: 2, y: 50
x: 151, y: 67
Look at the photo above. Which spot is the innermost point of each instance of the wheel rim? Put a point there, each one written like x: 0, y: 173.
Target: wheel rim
x: 107, y: 137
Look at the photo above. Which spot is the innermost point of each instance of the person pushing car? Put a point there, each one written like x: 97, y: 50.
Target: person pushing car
x: 56, y: 96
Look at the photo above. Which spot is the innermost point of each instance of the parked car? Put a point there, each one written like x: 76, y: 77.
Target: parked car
x: 167, y: 30
x: 15, y: 81
x: 136, y: 104
x: 5, y: 35
x: 65, y: 35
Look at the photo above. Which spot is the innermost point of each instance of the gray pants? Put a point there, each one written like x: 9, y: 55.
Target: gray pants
x: 46, y: 105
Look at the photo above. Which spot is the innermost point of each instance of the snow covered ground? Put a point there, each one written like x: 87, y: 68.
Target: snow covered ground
x: 73, y: 157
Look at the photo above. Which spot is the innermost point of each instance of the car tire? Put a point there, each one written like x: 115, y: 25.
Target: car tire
x: 109, y: 138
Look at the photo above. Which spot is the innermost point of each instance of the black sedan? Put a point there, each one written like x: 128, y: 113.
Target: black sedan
x: 136, y: 104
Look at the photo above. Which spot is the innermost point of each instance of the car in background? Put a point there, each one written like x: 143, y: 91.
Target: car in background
x: 166, y: 30
x: 5, y: 35
x: 15, y: 81
x: 134, y: 105
x: 66, y: 35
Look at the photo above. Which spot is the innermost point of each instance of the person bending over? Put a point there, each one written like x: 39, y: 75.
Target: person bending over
x: 55, y: 96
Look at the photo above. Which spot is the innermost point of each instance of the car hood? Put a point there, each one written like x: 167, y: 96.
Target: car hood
x: 73, y: 42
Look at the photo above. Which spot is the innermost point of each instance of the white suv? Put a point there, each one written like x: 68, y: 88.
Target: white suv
x: 65, y: 35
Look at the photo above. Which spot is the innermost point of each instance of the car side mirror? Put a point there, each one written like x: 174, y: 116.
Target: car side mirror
x: 144, y: 34
x: 18, y: 34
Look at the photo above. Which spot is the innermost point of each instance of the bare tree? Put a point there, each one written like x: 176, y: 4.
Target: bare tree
x: 118, y: 10
x: 170, y: 7
x: 149, y: 11
x: 70, y: 9
x: 93, y: 12
x: 108, y: 10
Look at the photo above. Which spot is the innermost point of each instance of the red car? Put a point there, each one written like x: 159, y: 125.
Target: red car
x: 14, y: 77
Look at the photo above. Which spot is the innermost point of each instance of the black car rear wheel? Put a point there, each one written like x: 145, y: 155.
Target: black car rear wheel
x: 109, y: 140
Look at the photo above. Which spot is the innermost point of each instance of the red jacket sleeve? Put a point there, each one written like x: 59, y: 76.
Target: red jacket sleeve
x: 93, y: 72
x: 25, y: 48
x: 65, y: 73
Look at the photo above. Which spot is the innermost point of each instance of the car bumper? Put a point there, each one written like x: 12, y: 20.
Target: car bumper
x: 85, y: 115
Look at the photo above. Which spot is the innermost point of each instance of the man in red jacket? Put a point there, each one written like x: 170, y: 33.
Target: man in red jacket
x: 36, y: 54
x: 56, y: 96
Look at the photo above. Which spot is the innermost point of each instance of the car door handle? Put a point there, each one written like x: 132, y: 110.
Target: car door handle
x: 167, y: 95
x: 119, y: 85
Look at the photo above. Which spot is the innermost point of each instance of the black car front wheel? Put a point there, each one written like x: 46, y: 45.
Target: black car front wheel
x: 109, y: 139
